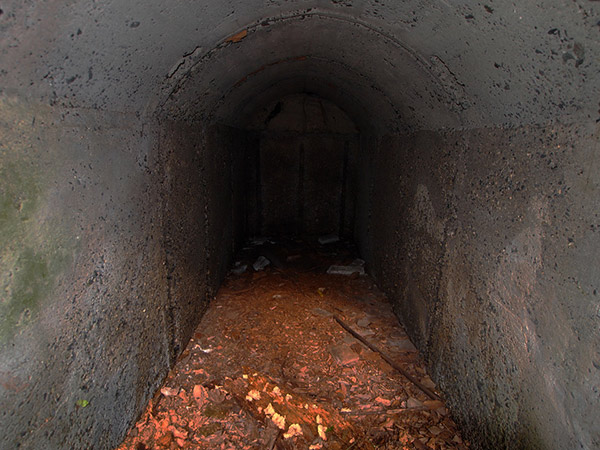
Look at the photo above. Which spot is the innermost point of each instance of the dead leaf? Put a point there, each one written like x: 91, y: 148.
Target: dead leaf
x: 183, y: 395
x: 413, y: 403
x: 433, y: 404
x: 389, y: 423
x: 383, y: 401
x: 321, y: 431
x: 200, y: 395
x: 163, y: 425
x: 169, y: 392
x: 216, y: 396
x: 253, y: 395
x: 238, y: 36
x: 435, y: 430
x: 428, y: 382
x: 165, y: 440
x: 179, y: 434
x: 294, y: 430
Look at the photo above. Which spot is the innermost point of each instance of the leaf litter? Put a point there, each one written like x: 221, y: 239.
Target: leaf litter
x: 270, y: 368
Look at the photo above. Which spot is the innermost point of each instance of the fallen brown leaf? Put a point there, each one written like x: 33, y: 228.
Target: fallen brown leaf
x: 238, y: 36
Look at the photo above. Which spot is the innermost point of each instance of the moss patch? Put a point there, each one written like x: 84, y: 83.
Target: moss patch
x: 33, y: 249
x: 19, y: 195
x: 28, y: 282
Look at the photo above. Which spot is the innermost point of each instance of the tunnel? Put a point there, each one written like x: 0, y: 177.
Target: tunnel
x: 455, y: 143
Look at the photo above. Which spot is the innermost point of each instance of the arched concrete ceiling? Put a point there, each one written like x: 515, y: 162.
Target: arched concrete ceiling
x: 385, y: 78
x: 410, y: 64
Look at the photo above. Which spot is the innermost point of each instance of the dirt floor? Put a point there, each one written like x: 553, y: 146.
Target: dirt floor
x: 271, y: 367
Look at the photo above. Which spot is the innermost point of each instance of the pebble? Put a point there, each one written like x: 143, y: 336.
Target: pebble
x: 364, y: 322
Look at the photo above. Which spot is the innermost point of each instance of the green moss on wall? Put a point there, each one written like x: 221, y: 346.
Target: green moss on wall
x: 33, y: 249
x: 19, y: 194
x: 28, y: 282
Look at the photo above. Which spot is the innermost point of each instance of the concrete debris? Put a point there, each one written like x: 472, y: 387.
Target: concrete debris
x: 253, y: 395
x: 239, y: 268
x: 358, y: 262
x: 260, y: 263
x: 200, y: 395
x: 277, y: 418
x: 364, y: 322
x: 321, y: 430
x: 329, y: 239
x: 346, y: 270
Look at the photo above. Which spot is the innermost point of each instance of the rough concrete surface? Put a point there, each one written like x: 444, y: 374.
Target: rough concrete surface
x: 104, y: 268
x: 82, y: 271
x: 491, y: 256
x: 129, y: 173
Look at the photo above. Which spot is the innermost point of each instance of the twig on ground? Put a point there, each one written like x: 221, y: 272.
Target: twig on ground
x: 388, y: 360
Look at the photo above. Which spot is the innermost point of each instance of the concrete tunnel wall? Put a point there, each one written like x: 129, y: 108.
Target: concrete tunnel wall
x: 122, y: 166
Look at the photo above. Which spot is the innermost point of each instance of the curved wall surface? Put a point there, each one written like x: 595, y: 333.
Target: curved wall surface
x: 126, y: 130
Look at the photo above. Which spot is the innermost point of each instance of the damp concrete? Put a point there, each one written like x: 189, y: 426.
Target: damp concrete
x: 460, y: 139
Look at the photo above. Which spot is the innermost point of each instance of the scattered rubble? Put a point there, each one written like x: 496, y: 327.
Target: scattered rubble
x: 271, y: 367
x: 261, y: 263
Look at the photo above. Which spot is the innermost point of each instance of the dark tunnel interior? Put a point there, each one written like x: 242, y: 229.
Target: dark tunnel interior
x: 301, y: 175
x: 455, y: 143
